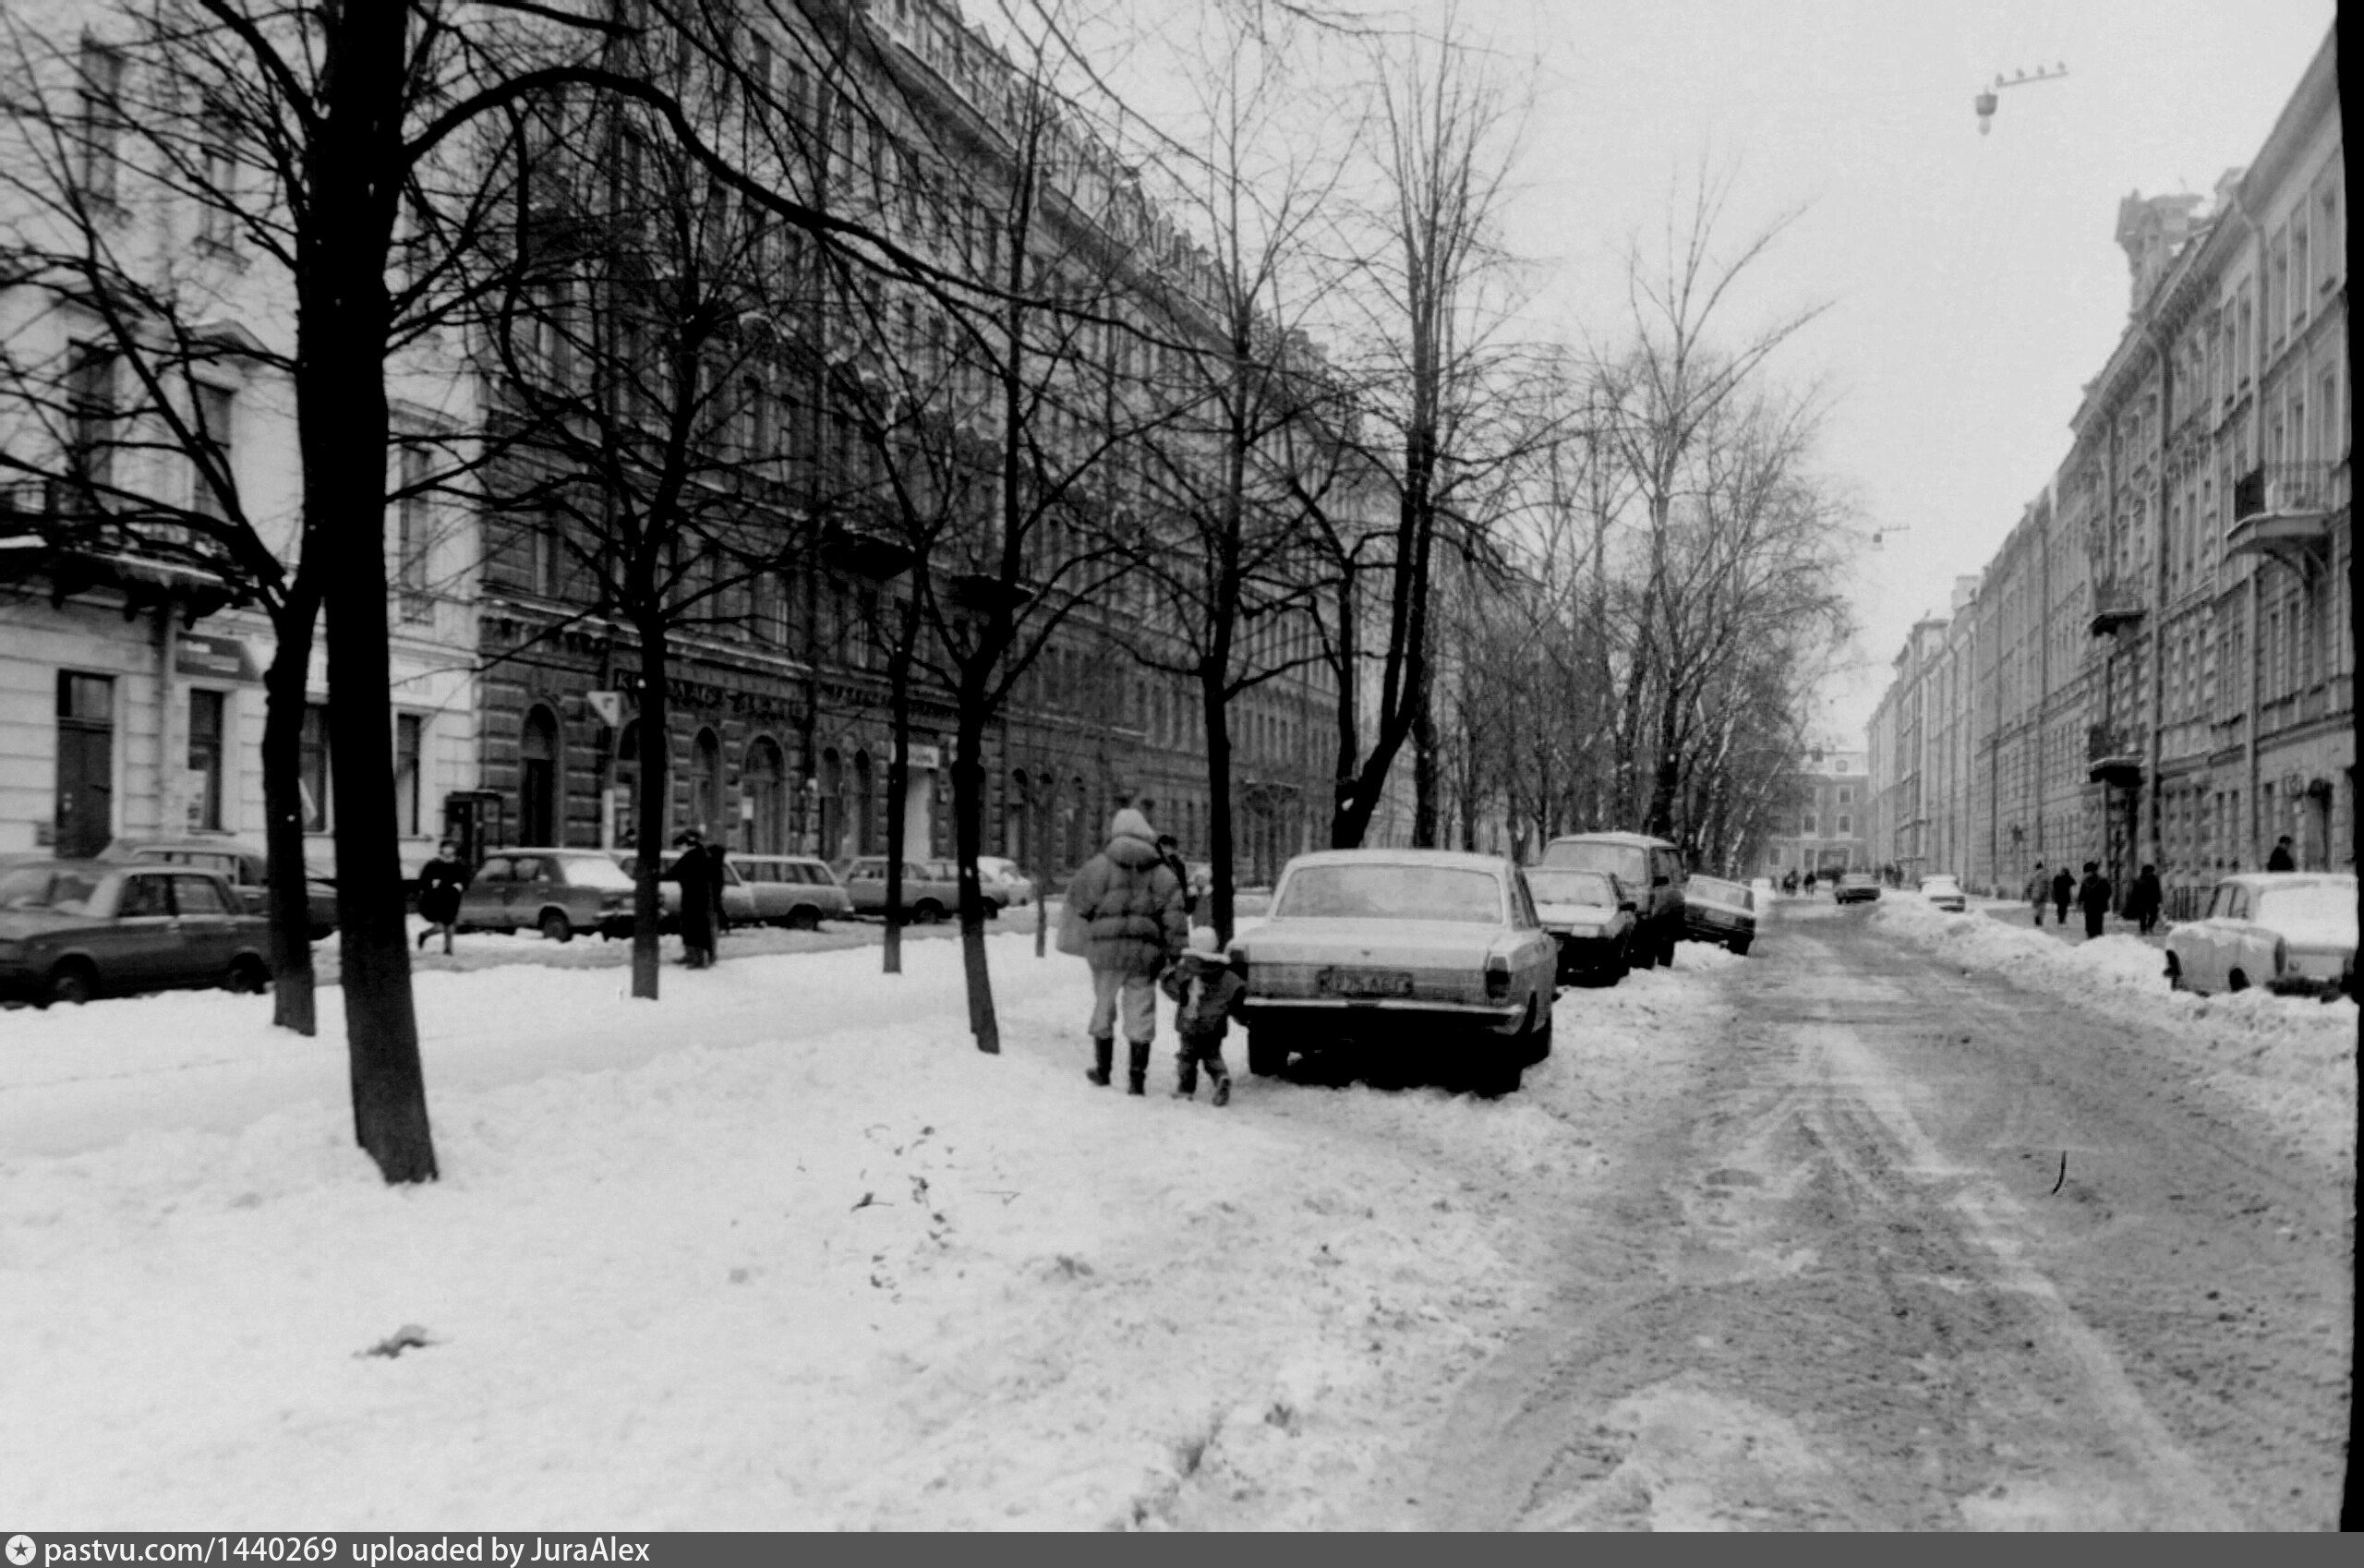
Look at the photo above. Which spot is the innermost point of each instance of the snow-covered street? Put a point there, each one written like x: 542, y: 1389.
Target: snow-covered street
x: 783, y: 1251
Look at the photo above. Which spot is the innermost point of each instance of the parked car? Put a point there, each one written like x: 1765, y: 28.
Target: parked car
x: 797, y: 891
x: 1719, y: 911
x: 1856, y: 887
x: 1001, y: 880
x: 1945, y: 892
x: 931, y: 889
x: 1648, y: 869
x: 1422, y: 948
x: 556, y: 892
x: 246, y: 865
x: 2289, y: 931
x: 1590, y: 919
x: 73, y: 930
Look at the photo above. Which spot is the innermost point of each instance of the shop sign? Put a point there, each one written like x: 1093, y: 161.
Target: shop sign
x: 214, y: 659
x: 923, y: 757
x: 705, y: 696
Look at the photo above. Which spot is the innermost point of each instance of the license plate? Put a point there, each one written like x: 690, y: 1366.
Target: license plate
x: 1365, y: 983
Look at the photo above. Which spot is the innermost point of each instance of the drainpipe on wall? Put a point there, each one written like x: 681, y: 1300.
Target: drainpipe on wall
x: 172, y: 809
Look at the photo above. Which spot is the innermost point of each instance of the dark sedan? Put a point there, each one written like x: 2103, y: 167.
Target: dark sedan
x: 1857, y: 887
x: 72, y: 930
x: 1719, y: 911
x: 246, y: 865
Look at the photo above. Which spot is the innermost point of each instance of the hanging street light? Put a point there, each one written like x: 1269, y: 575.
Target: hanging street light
x: 1986, y: 100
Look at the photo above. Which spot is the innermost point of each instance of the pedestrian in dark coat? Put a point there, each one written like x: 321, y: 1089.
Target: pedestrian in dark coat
x: 694, y: 872
x: 2145, y: 898
x: 718, y: 876
x: 2092, y: 897
x: 1129, y: 904
x: 2064, y: 893
x: 1207, y: 996
x: 2281, y: 859
x: 2038, y: 886
x: 441, y: 883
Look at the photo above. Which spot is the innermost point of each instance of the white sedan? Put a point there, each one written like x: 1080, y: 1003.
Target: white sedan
x: 2286, y: 931
x: 1402, y: 946
x: 1945, y: 892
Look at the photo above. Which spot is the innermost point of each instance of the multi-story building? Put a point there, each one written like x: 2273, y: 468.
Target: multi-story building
x: 131, y: 660
x: 2164, y: 643
x: 1828, y: 826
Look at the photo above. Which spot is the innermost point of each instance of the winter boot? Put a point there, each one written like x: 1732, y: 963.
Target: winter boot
x: 1185, y: 1076
x: 1104, y: 1059
x: 1137, y: 1068
x: 1221, y: 1080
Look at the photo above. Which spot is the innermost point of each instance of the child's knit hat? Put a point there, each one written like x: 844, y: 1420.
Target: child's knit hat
x: 1202, y: 939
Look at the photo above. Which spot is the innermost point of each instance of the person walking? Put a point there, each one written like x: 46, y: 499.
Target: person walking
x: 718, y: 876
x: 2281, y: 859
x: 441, y: 883
x: 2144, y: 898
x: 2092, y: 897
x: 1125, y: 905
x: 1207, y: 996
x: 2038, y: 886
x: 694, y: 872
x: 2064, y: 893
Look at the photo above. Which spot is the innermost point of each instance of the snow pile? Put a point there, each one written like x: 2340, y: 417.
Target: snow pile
x: 781, y: 1251
x: 2291, y: 1058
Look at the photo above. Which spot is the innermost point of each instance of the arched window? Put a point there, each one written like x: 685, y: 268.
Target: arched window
x: 537, y: 778
x: 705, y: 786
x: 764, y: 779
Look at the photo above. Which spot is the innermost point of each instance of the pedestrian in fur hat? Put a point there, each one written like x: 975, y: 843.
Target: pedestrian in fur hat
x: 1128, y: 904
x: 1209, y: 995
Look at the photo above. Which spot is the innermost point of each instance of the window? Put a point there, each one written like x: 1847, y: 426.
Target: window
x: 89, y: 400
x: 1806, y: 825
x: 1845, y: 797
x: 205, y: 715
x: 312, y: 768
x: 412, y: 532
x: 218, y: 182
x: 99, y: 119
x: 1846, y: 826
x: 410, y: 744
x: 198, y: 896
x: 211, y: 480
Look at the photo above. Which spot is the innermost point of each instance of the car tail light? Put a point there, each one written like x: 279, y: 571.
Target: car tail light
x: 1498, y: 978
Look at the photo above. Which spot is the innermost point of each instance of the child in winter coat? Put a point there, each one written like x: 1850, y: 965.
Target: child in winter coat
x: 1209, y: 996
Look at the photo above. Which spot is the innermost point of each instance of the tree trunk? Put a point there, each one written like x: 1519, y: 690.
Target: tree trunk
x: 1425, y: 769
x: 293, y: 998
x: 656, y: 798
x: 899, y: 770
x: 1345, y: 828
x: 1219, y: 808
x: 968, y: 819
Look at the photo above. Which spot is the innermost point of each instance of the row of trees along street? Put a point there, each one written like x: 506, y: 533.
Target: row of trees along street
x: 1233, y: 375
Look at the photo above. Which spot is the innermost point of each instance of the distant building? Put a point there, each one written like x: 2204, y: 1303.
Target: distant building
x: 1828, y: 829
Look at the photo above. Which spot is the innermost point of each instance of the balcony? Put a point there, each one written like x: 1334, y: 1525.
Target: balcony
x: 863, y: 548
x: 2283, y: 511
x: 2112, y: 755
x: 2116, y: 604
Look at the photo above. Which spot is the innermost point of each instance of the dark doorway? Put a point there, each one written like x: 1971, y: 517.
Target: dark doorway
x: 538, y: 779
x: 85, y: 764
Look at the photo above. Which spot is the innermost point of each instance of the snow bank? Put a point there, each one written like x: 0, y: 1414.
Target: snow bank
x: 781, y: 1251
x: 2292, y: 1058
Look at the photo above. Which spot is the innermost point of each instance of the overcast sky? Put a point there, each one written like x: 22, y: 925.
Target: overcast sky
x: 1974, y: 281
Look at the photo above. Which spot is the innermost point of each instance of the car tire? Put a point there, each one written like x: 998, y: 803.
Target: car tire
x: 2238, y: 981
x: 2174, y: 973
x: 1642, y: 951
x: 556, y: 927
x: 927, y: 912
x: 1538, y: 1040
x: 1740, y: 944
x: 1501, y: 1065
x: 805, y: 917
x: 1268, y: 1053
x: 72, y: 982
x: 249, y: 976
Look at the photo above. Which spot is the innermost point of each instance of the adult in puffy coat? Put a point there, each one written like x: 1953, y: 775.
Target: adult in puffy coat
x: 694, y: 872
x: 1129, y: 906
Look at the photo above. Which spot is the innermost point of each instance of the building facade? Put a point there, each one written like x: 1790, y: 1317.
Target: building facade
x: 2162, y: 653
x: 1828, y: 827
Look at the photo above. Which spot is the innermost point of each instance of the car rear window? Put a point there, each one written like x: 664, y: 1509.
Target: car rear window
x: 41, y: 887
x: 1552, y: 885
x: 594, y: 871
x: 1617, y: 860
x: 1391, y: 892
x: 1715, y: 889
